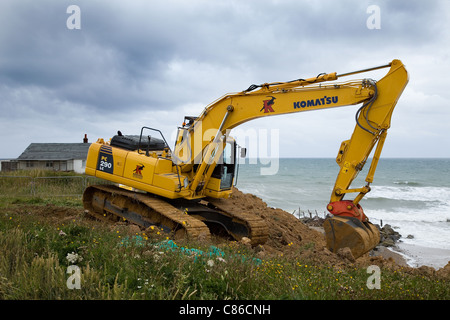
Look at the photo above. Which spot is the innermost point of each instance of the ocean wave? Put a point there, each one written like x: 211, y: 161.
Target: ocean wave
x: 400, y: 206
x: 411, y: 193
x: 428, y: 234
x: 438, y: 214
x: 409, y: 183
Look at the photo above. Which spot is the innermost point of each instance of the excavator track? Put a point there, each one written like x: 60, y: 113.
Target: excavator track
x: 182, y: 218
x: 104, y: 201
x: 258, y: 231
x: 234, y: 224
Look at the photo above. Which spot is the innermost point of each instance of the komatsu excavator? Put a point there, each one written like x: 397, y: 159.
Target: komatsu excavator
x: 178, y: 190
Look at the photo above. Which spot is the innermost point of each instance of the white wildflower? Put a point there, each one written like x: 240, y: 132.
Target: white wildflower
x: 210, y: 263
x: 74, y: 257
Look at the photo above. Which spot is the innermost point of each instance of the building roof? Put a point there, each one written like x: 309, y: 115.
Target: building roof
x: 55, y: 151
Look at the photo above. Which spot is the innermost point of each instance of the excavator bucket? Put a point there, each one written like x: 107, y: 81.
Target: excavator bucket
x: 341, y: 232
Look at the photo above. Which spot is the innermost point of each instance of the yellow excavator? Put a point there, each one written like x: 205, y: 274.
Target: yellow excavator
x: 180, y: 191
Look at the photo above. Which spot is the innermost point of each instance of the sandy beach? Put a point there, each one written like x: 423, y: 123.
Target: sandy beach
x: 416, y: 256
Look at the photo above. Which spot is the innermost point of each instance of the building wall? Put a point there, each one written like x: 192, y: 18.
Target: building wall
x: 65, y: 165
x: 32, y: 164
x: 79, y: 166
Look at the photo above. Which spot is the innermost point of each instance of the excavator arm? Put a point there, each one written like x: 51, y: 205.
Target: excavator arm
x: 205, y: 136
x: 206, y: 132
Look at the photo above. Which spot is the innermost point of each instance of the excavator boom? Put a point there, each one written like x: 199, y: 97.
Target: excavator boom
x: 200, y: 167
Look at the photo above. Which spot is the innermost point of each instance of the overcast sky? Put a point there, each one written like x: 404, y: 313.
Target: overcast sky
x: 149, y: 63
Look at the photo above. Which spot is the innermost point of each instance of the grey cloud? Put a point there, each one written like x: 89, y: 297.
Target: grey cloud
x: 160, y: 55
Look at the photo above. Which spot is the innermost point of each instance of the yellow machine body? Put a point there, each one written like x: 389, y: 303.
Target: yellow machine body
x: 153, y: 173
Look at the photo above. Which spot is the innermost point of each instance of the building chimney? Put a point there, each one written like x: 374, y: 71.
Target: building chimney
x: 85, y: 139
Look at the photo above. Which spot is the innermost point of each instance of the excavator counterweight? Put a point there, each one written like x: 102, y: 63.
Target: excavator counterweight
x: 179, y: 190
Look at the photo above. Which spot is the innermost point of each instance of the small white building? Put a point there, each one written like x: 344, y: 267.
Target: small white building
x: 54, y: 156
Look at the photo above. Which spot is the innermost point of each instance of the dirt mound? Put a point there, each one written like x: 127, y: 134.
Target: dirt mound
x: 285, y: 230
x: 288, y: 236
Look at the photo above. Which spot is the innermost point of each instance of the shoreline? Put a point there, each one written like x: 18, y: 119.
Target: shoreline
x: 416, y: 256
x: 387, y: 253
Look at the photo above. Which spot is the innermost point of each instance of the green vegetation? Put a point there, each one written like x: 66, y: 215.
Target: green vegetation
x: 40, y: 238
x: 40, y: 183
x: 115, y: 264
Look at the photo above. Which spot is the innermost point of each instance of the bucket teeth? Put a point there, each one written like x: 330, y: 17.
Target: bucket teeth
x: 341, y: 232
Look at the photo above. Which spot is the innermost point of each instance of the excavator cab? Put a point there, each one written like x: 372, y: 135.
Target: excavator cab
x: 225, y: 169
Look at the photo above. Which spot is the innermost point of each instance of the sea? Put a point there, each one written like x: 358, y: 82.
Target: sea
x: 411, y: 195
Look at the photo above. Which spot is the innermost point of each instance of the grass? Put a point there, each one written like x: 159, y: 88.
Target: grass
x: 115, y: 264
x: 120, y: 264
x: 40, y: 183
